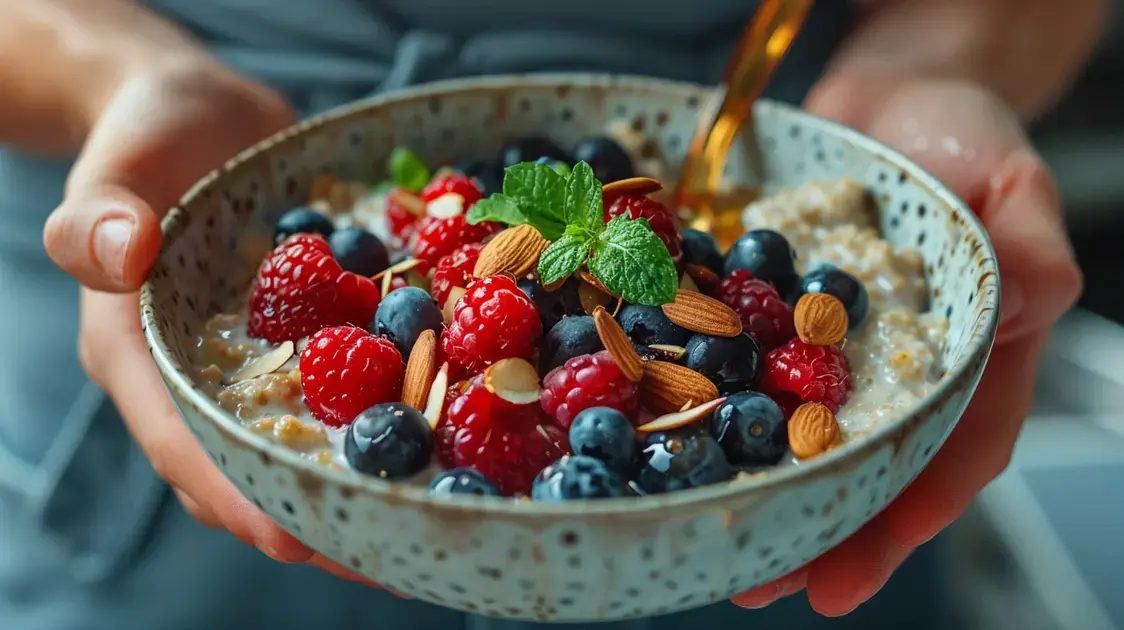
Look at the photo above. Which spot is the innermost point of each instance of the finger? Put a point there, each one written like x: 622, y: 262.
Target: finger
x: 851, y: 573
x: 197, y: 511
x: 320, y: 562
x: 780, y: 588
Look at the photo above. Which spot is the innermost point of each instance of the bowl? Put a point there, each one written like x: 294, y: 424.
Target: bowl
x: 599, y: 560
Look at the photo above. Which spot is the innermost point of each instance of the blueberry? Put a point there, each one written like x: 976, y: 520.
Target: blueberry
x: 391, y: 441
x: 302, y: 221
x: 734, y: 364
x: 769, y: 256
x: 569, y: 338
x: 528, y: 150
x: 609, y: 161
x: 680, y: 461
x: 462, y: 481
x: 553, y: 305
x: 473, y: 168
x: 486, y: 174
x: 700, y: 248
x: 359, y: 251
x: 605, y: 434
x: 647, y: 325
x: 752, y: 429
x: 402, y: 316
x: 834, y: 281
x: 577, y: 477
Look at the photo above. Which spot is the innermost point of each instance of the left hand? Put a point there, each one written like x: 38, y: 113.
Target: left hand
x: 970, y: 140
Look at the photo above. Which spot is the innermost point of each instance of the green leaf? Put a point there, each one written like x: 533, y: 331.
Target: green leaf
x: 498, y: 207
x: 583, y: 199
x: 561, y: 168
x: 538, y: 189
x: 408, y: 170
x: 634, y: 263
x: 563, y: 258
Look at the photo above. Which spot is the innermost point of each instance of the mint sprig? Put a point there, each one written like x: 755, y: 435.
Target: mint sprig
x: 626, y: 255
x: 407, y: 170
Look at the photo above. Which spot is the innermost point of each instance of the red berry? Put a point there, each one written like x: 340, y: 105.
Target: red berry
x: 494, y: 320
x: 346, y: 370
x: 589, y: 380
x: 509, y: 444
x: 764, y: 314
x: 300, y: 288
x: 811, y: 373
x: 454, y: 270
x: 436, y: 237
x: 403, y: 209
x: 456, y: 183
x: 658, y: 215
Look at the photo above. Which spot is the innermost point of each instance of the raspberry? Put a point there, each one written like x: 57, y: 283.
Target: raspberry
x: 345, y: 371
x: 810, y: 373
x: 300, y: 288
x: 454, y: 270
x: 494, y: 320
x: 437, y: 237
x: 403, y: 208
x: 456, y: 183
x: 763, y: 313
x: 659, y: 217
x: 589, y: 380
x: 508, y: 444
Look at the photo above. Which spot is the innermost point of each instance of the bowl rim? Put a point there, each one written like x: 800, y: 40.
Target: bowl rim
x: 964, y: 375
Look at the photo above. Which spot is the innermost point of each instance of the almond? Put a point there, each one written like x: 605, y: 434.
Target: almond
x: 632, y: 186
x: 703, y: 314
x: 687, y: 283
x: 813, y: 430
x: 592, y: 298
x: 588, y: 277
x: 435, y: 400
x: 690, y: 415
x: 666, y: 387
x: 421, y: 369
x: 446, y: 206
x: 409, y: 200
x: 514, y: 251
x: 673, y: 353
x: 704, y: 277
x: 321, y: 187
x: 387, y: 275
x: 618, y: 344
x: 513, y: 380
x: 267, y: 363
x: 821, y: 319
x: 455, y: 294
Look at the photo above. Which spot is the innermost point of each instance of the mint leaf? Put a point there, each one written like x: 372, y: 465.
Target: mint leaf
x: 563, y: 258
x: 583, y: 198
x: 634, y: 263
x: 498, y: 207
x: 407, y: 169
x: 539, y: 189
x: 561, y: 168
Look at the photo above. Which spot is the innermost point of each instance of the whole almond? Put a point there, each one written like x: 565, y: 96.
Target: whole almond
x: 703, y: 314
x: 813, y: 430
x: 515, y: 250
x: 421, y: 368
x: 632, y: 186
x: 667, y: 387
x: 704, y: 277
x: 618, y: 344
x: 821, y: 319
x: 586, y: 276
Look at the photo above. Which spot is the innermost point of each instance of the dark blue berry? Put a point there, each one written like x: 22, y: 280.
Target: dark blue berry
x: 302, y: 221
x: 359, y: 251
x: 700, y: 248
x: 679, y: 461
x: 473, y: 168
x: 610, y: 162
x: 402, y: 316
x: 553, y: 305
x: 605, y: 434
x: 462, y: 481
x: 752, y: 429
x: 569, y: 338
x: 577, y: 477
x: 528, y: 150
x: 487, y: 175
x: 847, y: 288
x: 391, y: 441
x: 770, y: 257
x: 734, y: 364
x: 647, y: 325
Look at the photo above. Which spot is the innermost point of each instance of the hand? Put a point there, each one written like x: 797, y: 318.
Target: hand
x: 157, y: 134
x: 971, y: 141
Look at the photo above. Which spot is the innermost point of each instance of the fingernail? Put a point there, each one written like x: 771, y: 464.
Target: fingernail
x: 271, y: 552
x: 111, y: 244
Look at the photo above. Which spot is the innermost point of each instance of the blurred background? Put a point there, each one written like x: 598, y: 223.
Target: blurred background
x: 1042, y: 548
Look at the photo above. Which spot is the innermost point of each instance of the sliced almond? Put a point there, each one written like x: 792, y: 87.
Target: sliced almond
x: 400, y: 267
x: 409, y: 200
x: 666, y: 387
x: 592, y: 298
x: 632, y: 186
x: 421, y: 369
x: 703, y: 314
x: 673, y: 353
x: 446, y: 206
x: 702, y: 276
x: 688, y: 284
x: 267, y: 363
x: 557, y: 284
x: 513, y: 380
x: 455, y: 294
x: 514, y: 251
x: 689, y: 415
x: 587, y: 277
x: 435, y: 401
x: 618, y: 344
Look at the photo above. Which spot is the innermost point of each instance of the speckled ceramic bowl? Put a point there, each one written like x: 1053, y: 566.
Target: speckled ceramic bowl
x: 566, y: 562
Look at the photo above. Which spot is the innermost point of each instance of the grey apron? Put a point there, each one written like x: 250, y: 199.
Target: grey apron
x: 89, y: 536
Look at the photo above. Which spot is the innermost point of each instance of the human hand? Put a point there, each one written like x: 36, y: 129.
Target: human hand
x: 971, y: 141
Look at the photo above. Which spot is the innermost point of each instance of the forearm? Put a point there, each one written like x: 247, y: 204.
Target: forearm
x: 61, y: 59
x: 1026, y: 51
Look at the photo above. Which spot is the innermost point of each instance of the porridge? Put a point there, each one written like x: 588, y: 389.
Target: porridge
x: 536, y: 329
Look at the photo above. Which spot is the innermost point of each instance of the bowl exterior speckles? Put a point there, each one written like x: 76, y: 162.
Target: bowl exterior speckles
x: 592, y: 561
